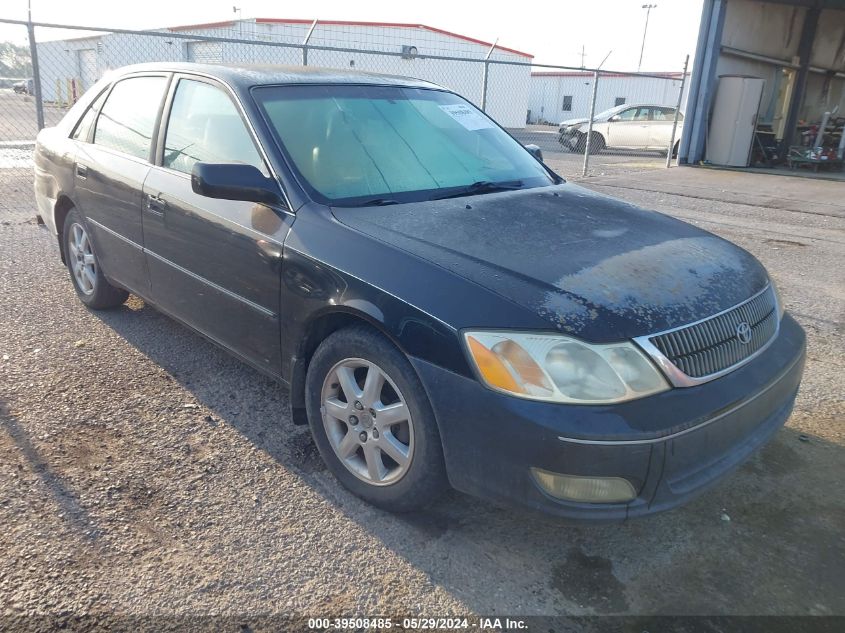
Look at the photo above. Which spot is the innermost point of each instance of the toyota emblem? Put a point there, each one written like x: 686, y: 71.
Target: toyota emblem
x: 743, y: 333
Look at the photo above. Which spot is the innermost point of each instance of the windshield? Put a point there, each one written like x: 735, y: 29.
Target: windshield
x: 350, y: 144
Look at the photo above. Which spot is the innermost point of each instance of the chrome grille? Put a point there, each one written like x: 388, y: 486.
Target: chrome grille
x: 712, y: 345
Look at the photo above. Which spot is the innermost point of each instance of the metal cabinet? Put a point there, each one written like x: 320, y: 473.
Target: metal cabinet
x: 734, y: 120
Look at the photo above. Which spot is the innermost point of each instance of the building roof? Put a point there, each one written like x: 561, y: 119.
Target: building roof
x: 589, y: 73
x: 232, y: 23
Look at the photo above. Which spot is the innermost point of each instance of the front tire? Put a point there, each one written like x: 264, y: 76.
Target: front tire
x: 372, y: 422
x: 91, y: 286
x: 597, y: 143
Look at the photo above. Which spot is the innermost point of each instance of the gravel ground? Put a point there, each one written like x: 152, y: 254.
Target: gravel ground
x: 145, y: 472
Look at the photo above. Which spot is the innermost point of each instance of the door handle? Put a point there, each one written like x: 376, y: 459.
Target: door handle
x: 156, y: 204
x: 81, y: 171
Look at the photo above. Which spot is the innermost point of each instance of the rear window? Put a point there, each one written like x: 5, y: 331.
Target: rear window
x: 82, y: 129
x: 127, y: 120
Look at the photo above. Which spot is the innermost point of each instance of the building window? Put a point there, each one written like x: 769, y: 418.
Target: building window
x: 619, y: 101
x: 567, y: 103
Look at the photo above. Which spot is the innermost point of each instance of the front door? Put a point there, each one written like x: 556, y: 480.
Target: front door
x: 629, y: 129
x: 215, y: 264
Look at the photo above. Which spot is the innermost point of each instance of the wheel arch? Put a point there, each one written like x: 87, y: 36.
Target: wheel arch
x: 60, y: 212
x: 318, y: 328
x: 600, y: 136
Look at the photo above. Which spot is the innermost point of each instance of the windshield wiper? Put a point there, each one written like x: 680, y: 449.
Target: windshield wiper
x: 377, y: 202
x: 482, y: 186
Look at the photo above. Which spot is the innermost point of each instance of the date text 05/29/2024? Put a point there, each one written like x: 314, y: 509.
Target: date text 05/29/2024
x: 418, y: 623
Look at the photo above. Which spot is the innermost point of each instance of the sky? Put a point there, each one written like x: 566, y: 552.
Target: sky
x: 553, y: 31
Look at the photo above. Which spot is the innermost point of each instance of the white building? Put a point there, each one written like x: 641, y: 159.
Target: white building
x: 557, y: 96
x: 72, y: 65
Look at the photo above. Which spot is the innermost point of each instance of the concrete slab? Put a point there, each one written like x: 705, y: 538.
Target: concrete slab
x: 821, y: 197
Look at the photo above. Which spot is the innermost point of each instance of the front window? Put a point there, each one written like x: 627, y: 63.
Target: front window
x: 350, y: 144
x: 205, y: 125
x: 606, y: 114
x: 634, y: 114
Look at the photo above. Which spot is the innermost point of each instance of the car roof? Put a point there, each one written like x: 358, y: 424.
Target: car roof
x: 247, y: 75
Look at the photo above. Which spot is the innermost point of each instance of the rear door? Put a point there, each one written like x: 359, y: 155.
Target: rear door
x: 110, y: 172
x: 662, y: 120
x: 215, y: 264
x: 630, y: 128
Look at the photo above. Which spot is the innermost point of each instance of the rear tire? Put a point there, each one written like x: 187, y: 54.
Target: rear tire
x: 91, y: 286
x: 358, y: 447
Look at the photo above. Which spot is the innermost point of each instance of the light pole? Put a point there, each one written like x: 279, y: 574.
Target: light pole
x: 648, y: 8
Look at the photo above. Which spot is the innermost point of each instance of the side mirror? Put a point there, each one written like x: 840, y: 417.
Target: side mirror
x: 535, y: 151
x: 234, y: 181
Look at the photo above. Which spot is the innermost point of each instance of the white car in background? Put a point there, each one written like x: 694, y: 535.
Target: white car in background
x: 632, y: 127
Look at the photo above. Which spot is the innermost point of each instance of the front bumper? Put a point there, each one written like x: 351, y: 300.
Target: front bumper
x: 670, y: 446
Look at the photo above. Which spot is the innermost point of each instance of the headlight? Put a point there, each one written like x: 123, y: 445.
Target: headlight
x: 562, y: 369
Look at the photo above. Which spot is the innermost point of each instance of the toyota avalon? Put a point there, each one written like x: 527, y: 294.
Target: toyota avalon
x: 443, y: 308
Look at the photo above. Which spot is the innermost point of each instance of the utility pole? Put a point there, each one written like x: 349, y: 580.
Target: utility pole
x: 583, y: 55
x: 239, y: 21
x: 648, y: 8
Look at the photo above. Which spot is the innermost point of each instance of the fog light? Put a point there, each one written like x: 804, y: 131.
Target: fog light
x: 585, y: 489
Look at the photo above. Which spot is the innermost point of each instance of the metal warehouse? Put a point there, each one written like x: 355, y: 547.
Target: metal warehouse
x: 768, y: 86
x: 556, y: 96
x: 70, y: 66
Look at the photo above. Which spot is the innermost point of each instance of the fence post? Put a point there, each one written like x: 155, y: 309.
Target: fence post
x: 36, y: 76
x: 305, y: 43
x: 590, y: 124
x: 486, y: 75
x: 484, y: 86
x: 677, y: 114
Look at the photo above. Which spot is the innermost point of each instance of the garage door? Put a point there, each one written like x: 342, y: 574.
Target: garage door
x: 205, y: 52
x: 88, y: 67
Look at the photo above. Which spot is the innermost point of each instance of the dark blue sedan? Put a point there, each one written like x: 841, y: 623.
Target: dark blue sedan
x: 444, y: 309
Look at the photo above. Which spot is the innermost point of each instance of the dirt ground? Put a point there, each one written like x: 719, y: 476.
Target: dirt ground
x: 145, y: 472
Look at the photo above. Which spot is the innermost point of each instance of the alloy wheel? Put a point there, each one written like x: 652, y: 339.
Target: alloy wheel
x: 82, y: 261
x: 367, y: 421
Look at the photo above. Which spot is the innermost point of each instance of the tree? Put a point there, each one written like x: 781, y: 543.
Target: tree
x: 14, y: 60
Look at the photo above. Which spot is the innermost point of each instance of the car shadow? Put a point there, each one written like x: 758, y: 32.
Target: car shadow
x: 734, y: 549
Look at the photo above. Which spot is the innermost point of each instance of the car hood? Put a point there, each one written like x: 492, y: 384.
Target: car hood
x: 569, y: 122
x: 591, y: 265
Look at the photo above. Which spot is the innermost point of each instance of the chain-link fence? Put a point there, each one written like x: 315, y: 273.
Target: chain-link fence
x: 635, y: 119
